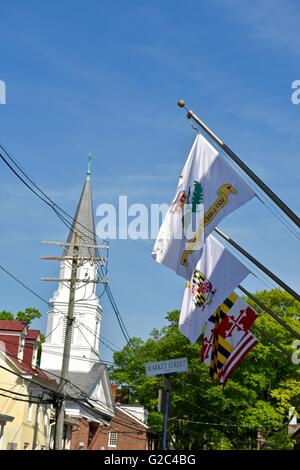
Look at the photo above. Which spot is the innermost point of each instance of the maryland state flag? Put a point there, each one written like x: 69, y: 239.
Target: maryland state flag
x: 212, y: 326
x: 227, y: 339
x: 237, y: 356
x: 217, y: 273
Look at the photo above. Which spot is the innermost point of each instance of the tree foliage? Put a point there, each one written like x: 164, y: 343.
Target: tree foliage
x: 205, y: 415
x: 26, y: 316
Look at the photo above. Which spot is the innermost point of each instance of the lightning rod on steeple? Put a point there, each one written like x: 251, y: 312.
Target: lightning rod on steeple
x: 89, y: 167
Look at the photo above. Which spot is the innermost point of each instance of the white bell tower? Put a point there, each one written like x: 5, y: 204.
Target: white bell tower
x: 87, y: 310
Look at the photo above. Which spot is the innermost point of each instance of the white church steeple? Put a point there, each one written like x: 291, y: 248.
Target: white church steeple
x: 87, y: 310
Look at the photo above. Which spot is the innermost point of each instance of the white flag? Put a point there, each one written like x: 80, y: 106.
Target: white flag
x: 208, y: 189
x: 217, y: 273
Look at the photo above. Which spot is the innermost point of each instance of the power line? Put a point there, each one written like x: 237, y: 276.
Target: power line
x: 44, y: 198
x: 21, y: 394
x: 110, y: 364
x: 284, y: 208
x: 261, y: 196
x: 95, y: 336
x: 184, y: 420
x: 31, y: 290
x: 24, y: 285
x: 27, y: 401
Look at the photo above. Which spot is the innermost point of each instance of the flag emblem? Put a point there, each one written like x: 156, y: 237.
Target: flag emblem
x: 221, y: 201
x: 202, y: 289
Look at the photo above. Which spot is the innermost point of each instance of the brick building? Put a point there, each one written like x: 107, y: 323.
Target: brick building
x: 126, y: 431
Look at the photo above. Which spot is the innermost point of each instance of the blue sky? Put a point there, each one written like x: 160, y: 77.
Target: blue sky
x: 105, y: 76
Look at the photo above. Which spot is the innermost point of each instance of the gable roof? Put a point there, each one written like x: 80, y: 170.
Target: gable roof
x: 12, y: 325
x: 33, y: 335
x: 127, y: 413
x: 26, y: 369
x: 86, y: 382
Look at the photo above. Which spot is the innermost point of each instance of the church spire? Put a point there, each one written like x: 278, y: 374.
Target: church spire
x: 83, y: 222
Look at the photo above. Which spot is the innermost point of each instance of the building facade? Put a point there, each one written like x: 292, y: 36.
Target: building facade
x: 124, y: 432
x: 87, y: 376
x: 26, y: 399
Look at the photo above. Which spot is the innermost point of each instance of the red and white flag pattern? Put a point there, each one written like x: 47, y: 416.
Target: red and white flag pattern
x: 231, y: 322
x: 237, y: 322
x: 237, y: 356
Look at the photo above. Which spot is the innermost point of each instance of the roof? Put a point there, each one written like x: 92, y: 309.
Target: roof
x: 30, y: 370
x: 33, y: 334
x: 130, y: 415
x: 83, y: 223
x: 297, y: 432
x: 12, y: 325
x: 86, y: 381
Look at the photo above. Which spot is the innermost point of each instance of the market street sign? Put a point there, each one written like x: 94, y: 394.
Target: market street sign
x: 167, y: 367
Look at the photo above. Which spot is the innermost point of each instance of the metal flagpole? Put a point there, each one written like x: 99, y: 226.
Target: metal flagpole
x: 269, y: 311
x: 289, y: 213
x: 258, y: 264
x: 271, y: 339
x: 166, y: 410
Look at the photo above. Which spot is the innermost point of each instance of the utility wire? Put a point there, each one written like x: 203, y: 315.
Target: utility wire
x: 45, y: 198
x: 27, y: 401
x: 95, y: 336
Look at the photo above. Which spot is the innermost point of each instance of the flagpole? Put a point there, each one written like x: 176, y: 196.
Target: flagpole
x: 271, y: 339
x: 289, y: 213
x: 269, y: 311
x: 258, y: 264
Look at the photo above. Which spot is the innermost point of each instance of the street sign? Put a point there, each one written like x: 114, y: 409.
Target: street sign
x: 167, y: 367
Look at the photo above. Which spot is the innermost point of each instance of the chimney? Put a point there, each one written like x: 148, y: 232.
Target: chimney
x: 114, y: 391
x: 32, y: 341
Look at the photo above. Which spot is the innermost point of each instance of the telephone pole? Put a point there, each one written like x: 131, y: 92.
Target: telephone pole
x: 60, y: 411
x: 76, y: 262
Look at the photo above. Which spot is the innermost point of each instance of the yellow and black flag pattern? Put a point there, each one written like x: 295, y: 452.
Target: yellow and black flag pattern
x: 221, y: 348
x: 198, y: 280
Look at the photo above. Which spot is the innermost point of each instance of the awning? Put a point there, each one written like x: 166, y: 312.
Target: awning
x: 6, y: 418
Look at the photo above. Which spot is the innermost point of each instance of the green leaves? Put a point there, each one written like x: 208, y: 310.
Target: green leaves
x: 259, y: 393
x: 6, y: 315
x: 26, y: 316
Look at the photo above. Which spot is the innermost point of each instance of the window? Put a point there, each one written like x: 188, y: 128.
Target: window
x: 30, y: 410
x: 12, y: 446
x: 46, y: 415
x: 112, y: 439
